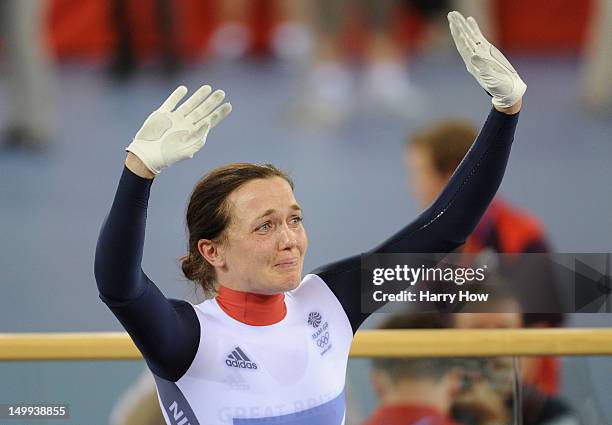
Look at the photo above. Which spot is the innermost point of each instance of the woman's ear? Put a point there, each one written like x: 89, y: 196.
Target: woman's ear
x: 212, y: 251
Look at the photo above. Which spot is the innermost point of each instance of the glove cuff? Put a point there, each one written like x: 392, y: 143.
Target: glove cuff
x: 510, y: 99
x: 142, y: 155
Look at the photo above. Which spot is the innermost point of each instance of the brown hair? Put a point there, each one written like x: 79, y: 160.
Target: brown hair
x: 208, y: 214
x: 447, y: 143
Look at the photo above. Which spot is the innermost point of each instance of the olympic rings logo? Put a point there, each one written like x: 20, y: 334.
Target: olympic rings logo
x: 323, y: 341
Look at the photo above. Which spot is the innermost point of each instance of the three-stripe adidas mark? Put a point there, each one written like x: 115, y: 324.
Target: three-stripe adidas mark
x: 238, y: 359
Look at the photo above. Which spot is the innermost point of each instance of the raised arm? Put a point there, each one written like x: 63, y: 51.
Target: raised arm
x: 447, y: 223
x: 166, y: 331
x: 453, y: 216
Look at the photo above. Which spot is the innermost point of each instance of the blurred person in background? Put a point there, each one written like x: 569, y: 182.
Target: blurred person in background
x: 414, y: 391
x: 431, y: 156
x: 597, y: 84
x: 139, y: 404
x: 125, y: 60
x: 27, y: 74
x: 490, y: 397
x: 330, y: 85
x: 291, y: 38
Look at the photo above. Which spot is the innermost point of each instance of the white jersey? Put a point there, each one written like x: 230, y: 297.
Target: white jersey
x: 289, y: 373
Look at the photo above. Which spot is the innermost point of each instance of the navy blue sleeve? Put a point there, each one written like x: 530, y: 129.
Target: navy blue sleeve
x: 166, y: 331
x: 447, y: 223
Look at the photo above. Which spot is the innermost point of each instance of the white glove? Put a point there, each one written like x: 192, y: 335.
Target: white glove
x: 487, y: 64
x: 168, y: 136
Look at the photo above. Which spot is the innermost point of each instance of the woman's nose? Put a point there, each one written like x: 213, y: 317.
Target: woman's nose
x: 287, y: 238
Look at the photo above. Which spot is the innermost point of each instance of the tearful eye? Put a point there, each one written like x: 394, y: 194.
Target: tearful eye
x: 264, y: 227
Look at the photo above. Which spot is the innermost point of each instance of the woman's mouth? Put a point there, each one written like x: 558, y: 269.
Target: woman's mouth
x: 288, y: 263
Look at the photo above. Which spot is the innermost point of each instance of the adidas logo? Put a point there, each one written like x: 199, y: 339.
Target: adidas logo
x: 238, y: 359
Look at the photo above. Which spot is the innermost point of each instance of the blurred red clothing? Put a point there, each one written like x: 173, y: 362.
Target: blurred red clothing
x: 505, y: 228
x: 408, y: 414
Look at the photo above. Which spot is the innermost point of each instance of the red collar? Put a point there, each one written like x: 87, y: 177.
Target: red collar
x: 392, y: 414
x: 252, y: 309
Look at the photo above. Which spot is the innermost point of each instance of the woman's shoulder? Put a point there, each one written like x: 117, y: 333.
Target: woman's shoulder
x: 313, y: 288
x: 310, y: 282
x: 204, y: 306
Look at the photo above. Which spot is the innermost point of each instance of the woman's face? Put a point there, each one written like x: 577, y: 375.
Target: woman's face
x: 265, y: 240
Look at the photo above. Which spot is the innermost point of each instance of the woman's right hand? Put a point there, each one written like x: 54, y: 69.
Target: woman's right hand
x: 171, y: 134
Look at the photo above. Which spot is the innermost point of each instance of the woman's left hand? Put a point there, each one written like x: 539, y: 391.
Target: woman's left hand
x: 487, y: 64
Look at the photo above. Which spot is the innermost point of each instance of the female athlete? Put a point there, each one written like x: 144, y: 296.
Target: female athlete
x: 271, y: 347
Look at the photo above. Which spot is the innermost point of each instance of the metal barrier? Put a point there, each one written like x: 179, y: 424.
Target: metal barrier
x: 367, y: 343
